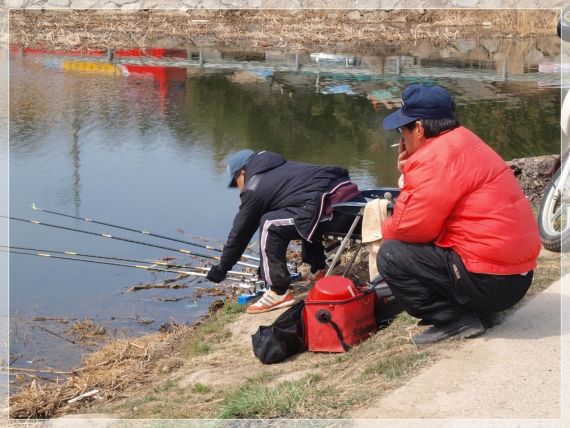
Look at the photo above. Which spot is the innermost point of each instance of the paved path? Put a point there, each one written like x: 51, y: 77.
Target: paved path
x: 511, y: 372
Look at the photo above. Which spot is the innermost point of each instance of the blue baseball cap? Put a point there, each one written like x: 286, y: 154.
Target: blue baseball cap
x: 236, y: 162
x: 421, y: 102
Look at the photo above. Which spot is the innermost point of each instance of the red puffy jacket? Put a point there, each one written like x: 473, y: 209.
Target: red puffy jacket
x: 458, y: 193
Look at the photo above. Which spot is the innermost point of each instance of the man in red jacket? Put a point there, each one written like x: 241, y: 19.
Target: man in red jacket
x: 462, y: 242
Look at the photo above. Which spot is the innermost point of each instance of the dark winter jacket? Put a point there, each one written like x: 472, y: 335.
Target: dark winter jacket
x: 273, y: 183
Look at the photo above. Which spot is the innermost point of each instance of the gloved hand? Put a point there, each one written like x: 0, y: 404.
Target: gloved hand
x: 216, y: 274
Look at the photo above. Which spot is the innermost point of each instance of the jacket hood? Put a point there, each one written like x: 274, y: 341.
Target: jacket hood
x: 262, y: 162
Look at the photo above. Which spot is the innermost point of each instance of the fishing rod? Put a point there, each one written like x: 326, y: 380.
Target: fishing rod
x: 147, y: 268
x: 154, y: 262
x: 144, y: 232
x: 105, y: 235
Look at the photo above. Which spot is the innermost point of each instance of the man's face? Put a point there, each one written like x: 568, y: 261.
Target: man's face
x: 240, y: 180
x: 412, y: 138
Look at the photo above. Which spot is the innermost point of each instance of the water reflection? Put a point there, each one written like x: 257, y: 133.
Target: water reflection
x: 139, y: 138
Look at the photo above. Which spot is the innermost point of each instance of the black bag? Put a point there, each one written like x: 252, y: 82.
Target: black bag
x: 386, y: 306
x: 282, y: 339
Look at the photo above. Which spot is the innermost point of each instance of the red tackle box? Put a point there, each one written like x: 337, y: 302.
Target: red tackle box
x: 336, y: 309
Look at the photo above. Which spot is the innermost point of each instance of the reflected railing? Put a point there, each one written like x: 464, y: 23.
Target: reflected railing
x: 343, y: 66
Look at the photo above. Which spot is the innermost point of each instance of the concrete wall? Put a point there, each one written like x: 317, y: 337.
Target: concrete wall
x: 281, y: 4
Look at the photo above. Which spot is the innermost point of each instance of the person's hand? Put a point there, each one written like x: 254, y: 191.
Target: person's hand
x: 402, y: 155
x: 216, y: 274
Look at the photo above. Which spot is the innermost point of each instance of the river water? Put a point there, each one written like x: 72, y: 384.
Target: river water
x: 140, y: 140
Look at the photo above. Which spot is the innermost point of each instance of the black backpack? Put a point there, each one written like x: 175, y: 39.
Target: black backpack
x: 282, y: 339
x: 386, y: 306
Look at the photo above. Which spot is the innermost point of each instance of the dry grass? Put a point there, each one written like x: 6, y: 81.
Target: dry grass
x: 87, y: 329
x: 120, y: 365
x: 77, y: 29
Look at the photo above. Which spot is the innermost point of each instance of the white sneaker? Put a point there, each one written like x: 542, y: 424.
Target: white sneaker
x: 270, y: 301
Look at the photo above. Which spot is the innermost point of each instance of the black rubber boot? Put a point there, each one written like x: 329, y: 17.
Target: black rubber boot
x: 491, y: 320
x: 466, y: 326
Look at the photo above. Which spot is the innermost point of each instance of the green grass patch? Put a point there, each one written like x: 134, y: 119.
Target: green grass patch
x: 137, y: 403
x: 213, y: 329
x: 200, y: 388
x: 217, y: 321
x: 166, y: 386
x: 144, y: 400
x: 256, y: 399
x: 265, y: 376
x: 188, y: 403
x: 197, y: 346
x: 395, y: 367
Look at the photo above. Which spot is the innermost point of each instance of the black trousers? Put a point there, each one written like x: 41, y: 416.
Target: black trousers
x: 432, y: 283
x: 276, y: 231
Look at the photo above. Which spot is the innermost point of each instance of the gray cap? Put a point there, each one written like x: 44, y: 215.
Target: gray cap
x: 238, y: 161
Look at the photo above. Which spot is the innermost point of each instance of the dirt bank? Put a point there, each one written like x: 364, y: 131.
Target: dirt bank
x: 209, y: 370
x: 532, y: 175
x: 295, y: 29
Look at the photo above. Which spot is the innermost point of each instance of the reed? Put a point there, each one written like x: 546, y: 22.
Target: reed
x: 99, y: 29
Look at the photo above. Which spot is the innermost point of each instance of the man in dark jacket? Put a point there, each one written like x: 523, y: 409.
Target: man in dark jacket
x: 286, y: 200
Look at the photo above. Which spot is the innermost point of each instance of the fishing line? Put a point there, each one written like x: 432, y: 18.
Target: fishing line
x: 108, y: 236
x: 144, y: 232
x: 154, y: 262
x: 147, y: 268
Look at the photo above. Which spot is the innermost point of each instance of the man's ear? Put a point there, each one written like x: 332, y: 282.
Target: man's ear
x: 420, y: 130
